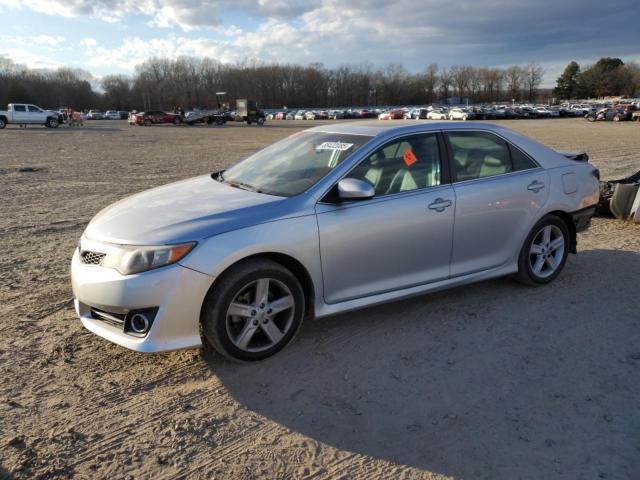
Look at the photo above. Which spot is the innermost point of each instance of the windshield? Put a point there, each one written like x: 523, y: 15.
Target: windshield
x: 292, y: 165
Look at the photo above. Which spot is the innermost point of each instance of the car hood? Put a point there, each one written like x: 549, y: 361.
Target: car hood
x: 183, y: 211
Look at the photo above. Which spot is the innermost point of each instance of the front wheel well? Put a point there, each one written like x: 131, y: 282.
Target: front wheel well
x: 571, y: 226
x: 291, y: 264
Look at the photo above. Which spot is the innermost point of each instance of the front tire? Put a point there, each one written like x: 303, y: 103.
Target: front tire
x: 253, y: 311
x: 3, y: 123
x: 544, y: 252
x: 52, y: 122
x: 147, y: 123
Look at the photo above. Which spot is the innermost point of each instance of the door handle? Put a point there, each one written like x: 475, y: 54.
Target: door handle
x: 439, y: 205
x: 535, y: 186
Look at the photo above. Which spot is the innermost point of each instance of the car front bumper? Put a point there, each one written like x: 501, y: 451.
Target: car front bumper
x: 175, y: 291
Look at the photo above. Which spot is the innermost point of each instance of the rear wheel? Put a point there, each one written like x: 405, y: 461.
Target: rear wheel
x: 253, y: 311
x: 544, y: 252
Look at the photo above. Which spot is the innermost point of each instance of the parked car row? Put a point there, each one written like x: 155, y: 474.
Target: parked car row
x: 435, y: 112
x: 614, y: 113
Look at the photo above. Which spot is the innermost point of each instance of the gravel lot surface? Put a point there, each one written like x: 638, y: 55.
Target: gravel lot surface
x: 492, y: 381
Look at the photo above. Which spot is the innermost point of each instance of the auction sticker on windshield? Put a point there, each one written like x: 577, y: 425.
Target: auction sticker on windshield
x: 334, y: 146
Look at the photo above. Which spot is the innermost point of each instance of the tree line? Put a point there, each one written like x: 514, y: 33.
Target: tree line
x: 607, y: 77
x: 188, y: 82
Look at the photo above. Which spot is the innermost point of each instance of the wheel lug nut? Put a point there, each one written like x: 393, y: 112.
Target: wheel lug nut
x: 255, y: 321
x: 265, y: 320
x: 262, y: 305
x: 269, y: 311
x: 253, y: 312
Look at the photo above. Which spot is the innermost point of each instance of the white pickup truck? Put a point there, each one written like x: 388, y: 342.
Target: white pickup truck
x: 24, y: 114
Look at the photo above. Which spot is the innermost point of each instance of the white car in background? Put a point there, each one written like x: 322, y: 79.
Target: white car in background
x: 95, y: 115
x: 310, y: 115
x: 299, y: 115
x: 458, y: 114
x: 437, y: 114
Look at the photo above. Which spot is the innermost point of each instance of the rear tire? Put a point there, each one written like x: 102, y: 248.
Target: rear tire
x: 544, y: 252
x: 237, y: 318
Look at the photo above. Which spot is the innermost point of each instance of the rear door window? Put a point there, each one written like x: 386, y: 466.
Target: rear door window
x: 19, y: 108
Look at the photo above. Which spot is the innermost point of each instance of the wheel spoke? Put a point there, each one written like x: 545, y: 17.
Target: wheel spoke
x: 280, y: 305
x: 272, y: 331
x: 240, y: 310
x: 537, y: 267
x: 546, y: 234
x: 262, y: 291
x: 245, y: 336
x: 556, y: 244
x: 536, y: 249
x: 551, y: 261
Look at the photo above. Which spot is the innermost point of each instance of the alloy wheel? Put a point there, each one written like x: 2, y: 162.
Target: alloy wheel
x: 260, y: 315
x: 546, y: 251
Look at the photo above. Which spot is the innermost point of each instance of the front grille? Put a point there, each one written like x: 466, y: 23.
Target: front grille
x: 91, y: 258
x: 115, y: 319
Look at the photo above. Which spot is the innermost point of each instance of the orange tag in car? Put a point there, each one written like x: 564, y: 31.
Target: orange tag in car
x: 409, y: 157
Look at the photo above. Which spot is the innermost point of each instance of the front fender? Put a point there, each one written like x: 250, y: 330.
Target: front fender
x: 295, y: 237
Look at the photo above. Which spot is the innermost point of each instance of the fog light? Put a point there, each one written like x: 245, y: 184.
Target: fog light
x: 138, y: 322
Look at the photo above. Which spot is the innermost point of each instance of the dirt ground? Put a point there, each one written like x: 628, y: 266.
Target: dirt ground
x: 488, y: 381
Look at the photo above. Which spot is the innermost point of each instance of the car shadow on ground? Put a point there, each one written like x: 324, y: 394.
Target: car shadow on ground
x: 492, y: 380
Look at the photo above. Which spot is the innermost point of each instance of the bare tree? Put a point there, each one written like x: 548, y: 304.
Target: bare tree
x: 533, y: 76
x: 514, y: 76
x: 430, y: 79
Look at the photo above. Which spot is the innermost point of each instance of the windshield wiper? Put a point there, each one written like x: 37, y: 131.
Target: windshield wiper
x: 244, y: 186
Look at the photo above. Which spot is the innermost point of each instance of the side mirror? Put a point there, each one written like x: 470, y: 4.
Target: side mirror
x: 354, y: 189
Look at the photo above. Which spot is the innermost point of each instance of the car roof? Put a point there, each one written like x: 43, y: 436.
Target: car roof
x: 374, y: 128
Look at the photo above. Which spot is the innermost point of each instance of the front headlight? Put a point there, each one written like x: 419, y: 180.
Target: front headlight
x: 130, y: 259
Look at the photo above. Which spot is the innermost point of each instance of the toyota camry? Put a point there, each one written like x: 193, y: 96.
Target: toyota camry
x: 328, y: 220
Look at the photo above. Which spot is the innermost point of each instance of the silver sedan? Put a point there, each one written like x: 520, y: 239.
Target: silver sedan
x: 331, y: 219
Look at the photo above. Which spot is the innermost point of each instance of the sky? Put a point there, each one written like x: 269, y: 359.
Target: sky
x: 113, y: 36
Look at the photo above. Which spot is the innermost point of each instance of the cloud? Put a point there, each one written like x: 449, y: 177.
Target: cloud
x: 20, y: 56
x: 186, y: 14
x: 379, y: 32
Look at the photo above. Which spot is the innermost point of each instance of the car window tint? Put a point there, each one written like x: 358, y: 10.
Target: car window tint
x: 402, y: 165
x: 33, y: 108
x: 520, y: 160
x: 19, y: 108
x: 478, y: 155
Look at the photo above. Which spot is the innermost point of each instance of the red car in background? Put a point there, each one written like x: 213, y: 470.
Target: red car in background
x: 149, y: 118
x: 392, y: 115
